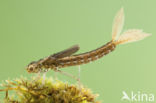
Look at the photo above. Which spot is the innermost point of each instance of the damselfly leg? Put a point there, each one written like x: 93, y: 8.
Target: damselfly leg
x: 44, y: 77
x: 67, y: 74
x: 55, y: 74
x: 70, y: 75
x: 37, y: 77
x: 79, y: 70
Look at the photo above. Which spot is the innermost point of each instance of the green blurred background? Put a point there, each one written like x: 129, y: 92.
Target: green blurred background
x: 33, y: 29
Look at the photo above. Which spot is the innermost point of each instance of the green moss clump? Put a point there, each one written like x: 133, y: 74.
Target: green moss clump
x: 52, y: 91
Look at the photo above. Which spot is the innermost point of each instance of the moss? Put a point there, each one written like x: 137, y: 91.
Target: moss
x: 52, y: 91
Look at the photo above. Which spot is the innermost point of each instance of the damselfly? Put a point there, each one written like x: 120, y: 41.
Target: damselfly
x: 67, y: 58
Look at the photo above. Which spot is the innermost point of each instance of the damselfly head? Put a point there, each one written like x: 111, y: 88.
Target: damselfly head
x: 32, y: 67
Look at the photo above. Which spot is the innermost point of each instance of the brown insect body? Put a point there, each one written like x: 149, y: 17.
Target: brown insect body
x: 61, y: 59
x: 66, y: 58
x: 86, y: 57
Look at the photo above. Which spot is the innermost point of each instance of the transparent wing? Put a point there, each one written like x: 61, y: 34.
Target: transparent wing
x: 118, y: 24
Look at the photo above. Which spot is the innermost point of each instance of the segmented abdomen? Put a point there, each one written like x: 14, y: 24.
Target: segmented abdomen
x: 86, y: 57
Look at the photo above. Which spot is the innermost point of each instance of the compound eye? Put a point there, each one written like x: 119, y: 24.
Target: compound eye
x: 31, y: 68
